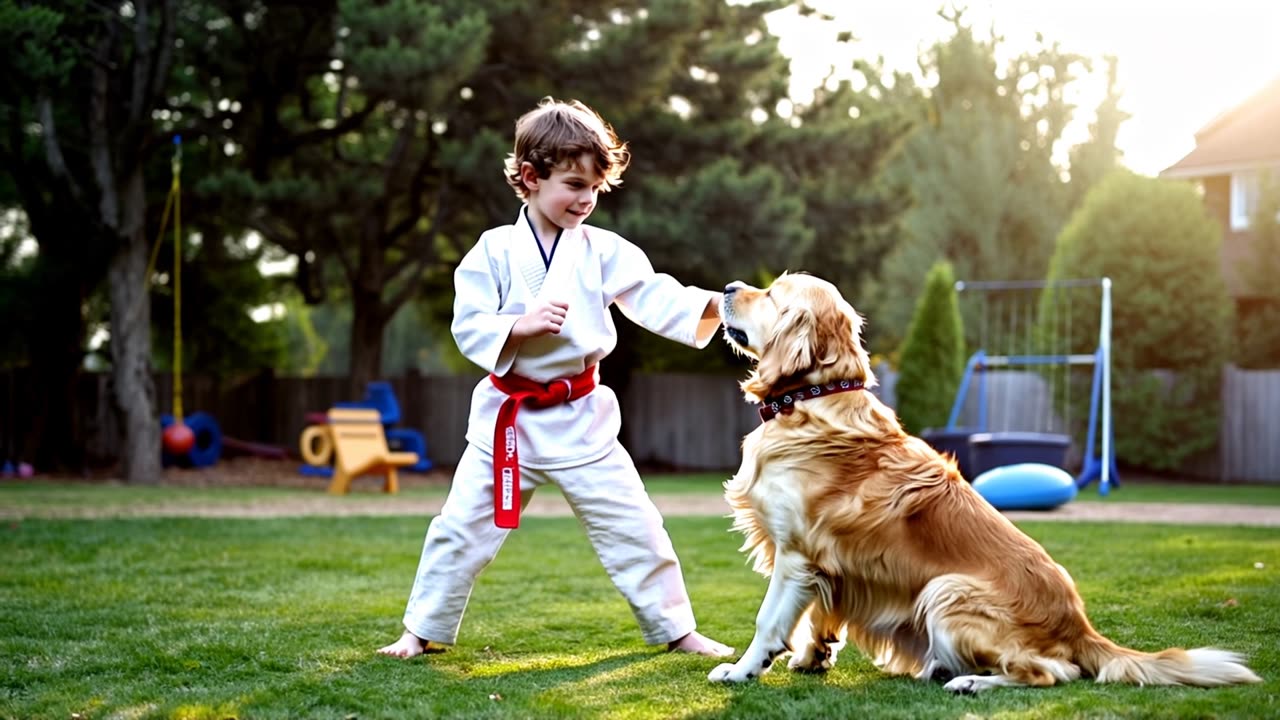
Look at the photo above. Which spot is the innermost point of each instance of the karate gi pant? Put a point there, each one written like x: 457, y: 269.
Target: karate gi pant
x: 610, y: 501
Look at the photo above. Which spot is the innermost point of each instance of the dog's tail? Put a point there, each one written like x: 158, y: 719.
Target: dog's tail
x: 1201, y: 667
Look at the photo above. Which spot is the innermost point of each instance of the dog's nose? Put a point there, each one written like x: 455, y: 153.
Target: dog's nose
x: 732, y: 288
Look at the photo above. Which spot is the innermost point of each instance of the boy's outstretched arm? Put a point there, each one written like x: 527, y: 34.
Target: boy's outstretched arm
x: 710, y: 321
x: 712, y: 311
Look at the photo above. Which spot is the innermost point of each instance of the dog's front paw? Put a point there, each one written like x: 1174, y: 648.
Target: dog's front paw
x: 969, y: 684
x: 730, y: 673
x: 813, y: 659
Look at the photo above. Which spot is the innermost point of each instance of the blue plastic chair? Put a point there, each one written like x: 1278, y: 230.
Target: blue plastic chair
x: 380, y: 396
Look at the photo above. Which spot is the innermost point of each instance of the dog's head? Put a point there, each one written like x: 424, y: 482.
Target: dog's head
x: 800, y: 331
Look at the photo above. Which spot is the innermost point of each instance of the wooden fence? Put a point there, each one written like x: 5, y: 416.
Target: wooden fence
x: 684, y: 421
x: 1249, y: 439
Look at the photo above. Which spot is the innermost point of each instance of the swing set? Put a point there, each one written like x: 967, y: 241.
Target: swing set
x: 177, y: 437
x: 1024, y: 366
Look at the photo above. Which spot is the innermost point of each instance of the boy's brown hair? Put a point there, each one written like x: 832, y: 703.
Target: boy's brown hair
x: 555, y: 133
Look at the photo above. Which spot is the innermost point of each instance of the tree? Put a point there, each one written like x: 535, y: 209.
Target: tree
x: 979, y: 168
x: 1171, y: 315
x: 383, y: 158
x: 1096, y: 158
x: 221, y: 282
x: 76, y: 131
x: 933, y: 355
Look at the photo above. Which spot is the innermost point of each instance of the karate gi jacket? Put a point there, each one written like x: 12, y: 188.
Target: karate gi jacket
x: 505, y: 274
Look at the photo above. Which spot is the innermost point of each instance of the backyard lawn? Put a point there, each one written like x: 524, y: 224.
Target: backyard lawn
x: 278, y: 618
x: 45, y: 497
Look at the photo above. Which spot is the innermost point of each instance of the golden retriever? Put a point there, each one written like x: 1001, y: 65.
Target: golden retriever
x: 869, y: 536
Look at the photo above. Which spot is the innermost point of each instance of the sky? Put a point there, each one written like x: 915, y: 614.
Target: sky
x: 1181, y: 62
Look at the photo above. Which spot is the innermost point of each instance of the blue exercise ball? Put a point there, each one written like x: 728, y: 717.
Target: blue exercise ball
x: 1026, y: 486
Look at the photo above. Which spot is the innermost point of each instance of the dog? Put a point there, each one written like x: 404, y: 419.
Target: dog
x: 869, y: 536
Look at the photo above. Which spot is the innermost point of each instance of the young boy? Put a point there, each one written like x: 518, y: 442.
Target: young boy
x: 532, y: 307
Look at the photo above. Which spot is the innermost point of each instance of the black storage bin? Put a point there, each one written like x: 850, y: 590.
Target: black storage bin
x: 954, y: 441
x: 992, y: 450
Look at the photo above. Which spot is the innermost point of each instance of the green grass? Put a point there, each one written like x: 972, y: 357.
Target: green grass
x: 202, y: 618
x: 1174, y: 492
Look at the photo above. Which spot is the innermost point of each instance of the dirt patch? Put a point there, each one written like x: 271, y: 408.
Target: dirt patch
x: 253, y: 472
x: 366, y: 500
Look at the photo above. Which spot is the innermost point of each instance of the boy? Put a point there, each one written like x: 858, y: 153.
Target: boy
x: 532, y: 307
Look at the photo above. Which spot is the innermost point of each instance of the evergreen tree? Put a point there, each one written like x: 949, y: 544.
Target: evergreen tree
x: 93, y: 94
x: 986, y: 193
x: 82, y: 82
x: 932, y: 357
x: 1096, y: 158
x: 716, y: 190
x: 1171, y: 316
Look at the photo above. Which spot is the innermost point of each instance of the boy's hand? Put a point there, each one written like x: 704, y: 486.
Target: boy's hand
x: 712, y: 311
x: 543, y: 318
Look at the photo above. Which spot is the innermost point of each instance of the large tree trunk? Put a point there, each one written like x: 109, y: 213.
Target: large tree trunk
x: 367, y: 326
x: 134, y: 392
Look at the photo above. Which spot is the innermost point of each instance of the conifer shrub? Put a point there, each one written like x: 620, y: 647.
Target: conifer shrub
x: 932, y: 355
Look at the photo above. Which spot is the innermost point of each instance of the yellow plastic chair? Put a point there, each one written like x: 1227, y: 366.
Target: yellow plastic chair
x: 360, y: 448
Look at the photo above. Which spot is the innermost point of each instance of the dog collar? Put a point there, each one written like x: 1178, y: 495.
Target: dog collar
x: 783, y: 404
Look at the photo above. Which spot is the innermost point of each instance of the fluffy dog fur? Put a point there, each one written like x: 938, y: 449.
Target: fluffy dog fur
x: 870, y: 536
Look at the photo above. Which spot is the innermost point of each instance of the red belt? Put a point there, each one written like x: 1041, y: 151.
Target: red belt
x: 506, y: 456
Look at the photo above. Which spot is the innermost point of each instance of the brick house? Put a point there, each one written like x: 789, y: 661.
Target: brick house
x: 1232, y: 155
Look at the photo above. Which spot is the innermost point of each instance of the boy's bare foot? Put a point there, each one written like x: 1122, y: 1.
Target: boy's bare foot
x: 409, y: 645
x: 699, y: 644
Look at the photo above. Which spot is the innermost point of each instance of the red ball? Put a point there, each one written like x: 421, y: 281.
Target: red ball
x: 178, y: 439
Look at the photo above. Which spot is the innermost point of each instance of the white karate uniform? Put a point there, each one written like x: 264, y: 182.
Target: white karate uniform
x: 573, y: 445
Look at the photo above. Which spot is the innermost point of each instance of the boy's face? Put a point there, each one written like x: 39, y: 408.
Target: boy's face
x: 567, y: 197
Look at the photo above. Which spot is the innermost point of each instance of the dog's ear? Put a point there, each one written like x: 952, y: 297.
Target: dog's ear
x: 795, y: 347
x: 841, y: 333
x: 837, y: 332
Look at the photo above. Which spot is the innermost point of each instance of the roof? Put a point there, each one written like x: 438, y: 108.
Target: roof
x: 1242, y: 138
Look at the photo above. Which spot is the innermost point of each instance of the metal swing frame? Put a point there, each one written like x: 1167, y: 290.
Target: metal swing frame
x: 1100, y: 465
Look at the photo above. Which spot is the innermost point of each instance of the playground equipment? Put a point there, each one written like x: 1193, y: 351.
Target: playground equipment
x: 993, y: 450
x: 206, y: 441
x: 316, y: 443
x: 380, y: 396
x: 9, y: 468
x: 1030, y: 336
x: 21, y: 470
x: 360, y: 448
x: 176, y: 436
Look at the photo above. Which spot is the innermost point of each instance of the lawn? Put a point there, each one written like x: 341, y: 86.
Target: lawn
x: 216, y: 618
x: 45, y: 497
x: 1138, y: 490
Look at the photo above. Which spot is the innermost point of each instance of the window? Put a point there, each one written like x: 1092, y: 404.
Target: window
x: 1245, y: 188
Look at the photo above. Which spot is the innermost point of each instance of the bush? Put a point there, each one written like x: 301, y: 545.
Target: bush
x: 932, y: 356
x: 1170, y: 312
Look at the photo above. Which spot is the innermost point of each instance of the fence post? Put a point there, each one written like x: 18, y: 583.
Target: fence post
x: 265, y: 392
x: 411, y: 408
